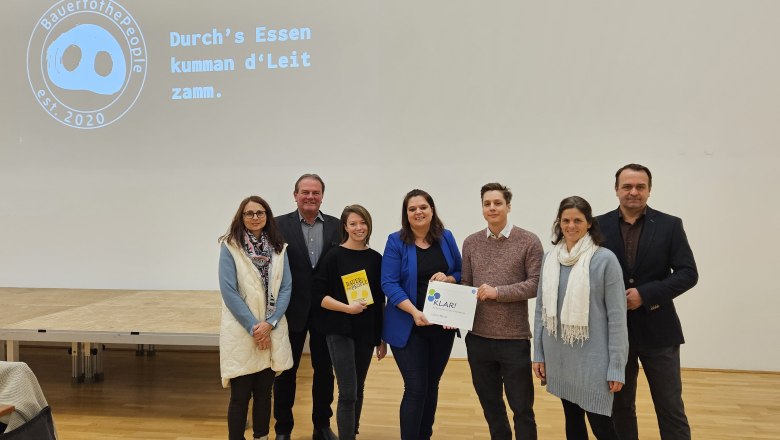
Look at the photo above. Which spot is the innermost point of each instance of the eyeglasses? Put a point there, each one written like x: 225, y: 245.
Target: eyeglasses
x: 251, y: 214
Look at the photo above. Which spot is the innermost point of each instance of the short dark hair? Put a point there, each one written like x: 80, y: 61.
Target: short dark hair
x: 635, y: 167
x: 309, y: 176
x: 495, y: 186
x: 437, y: 227
x: 583, y: 206
x: 362, y: 212
x: 235, y: 233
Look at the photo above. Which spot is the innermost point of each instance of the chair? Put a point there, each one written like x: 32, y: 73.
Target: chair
x: 31, y: 417
x: 5, y: 410
x: 40, y: 427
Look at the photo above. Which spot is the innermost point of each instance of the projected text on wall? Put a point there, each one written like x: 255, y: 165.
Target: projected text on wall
x: 263, y: 56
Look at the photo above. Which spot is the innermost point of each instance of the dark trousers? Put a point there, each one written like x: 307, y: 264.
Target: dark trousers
x: 601, y: 425
x: 662, y: 369
x: 422, y: 362
x: 351, y: 360
x: 242, y: 388
x: 322, y: 384
x: 498, y: 365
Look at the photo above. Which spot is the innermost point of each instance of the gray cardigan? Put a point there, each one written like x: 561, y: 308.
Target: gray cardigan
x: 580, y: 373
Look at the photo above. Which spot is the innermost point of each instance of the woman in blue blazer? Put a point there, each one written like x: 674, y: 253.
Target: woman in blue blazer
x: 420, y: 252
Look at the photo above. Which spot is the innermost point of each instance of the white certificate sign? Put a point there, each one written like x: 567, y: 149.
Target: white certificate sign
x: 450, y: 304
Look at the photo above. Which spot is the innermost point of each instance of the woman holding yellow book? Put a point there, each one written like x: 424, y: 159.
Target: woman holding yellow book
x: 347, y: 287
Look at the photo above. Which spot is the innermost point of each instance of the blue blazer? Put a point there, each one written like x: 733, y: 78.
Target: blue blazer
x: 399, y: 282
x: 664, y: 269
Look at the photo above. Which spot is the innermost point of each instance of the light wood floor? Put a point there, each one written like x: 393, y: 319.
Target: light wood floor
x: 177, y: 395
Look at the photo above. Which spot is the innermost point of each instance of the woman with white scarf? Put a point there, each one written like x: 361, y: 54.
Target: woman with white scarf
x: 581, y: 340
x: 254, y: 345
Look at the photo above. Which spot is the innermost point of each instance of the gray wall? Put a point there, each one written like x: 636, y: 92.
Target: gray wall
x: 547, y: 97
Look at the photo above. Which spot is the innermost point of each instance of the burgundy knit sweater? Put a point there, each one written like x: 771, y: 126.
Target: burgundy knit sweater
x: 512, y: 265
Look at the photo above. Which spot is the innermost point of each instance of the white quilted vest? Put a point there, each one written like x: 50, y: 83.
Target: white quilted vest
x: 238, y: 353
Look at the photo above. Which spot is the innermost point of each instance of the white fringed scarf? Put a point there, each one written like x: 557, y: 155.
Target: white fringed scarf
x: 574, y: 314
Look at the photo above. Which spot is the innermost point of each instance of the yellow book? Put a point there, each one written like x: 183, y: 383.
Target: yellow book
x: 357, y: 288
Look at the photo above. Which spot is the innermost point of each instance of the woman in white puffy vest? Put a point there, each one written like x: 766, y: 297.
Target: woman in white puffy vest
x: 254, y: 346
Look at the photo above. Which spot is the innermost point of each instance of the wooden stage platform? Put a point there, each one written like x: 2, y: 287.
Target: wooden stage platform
x: 88, y: 318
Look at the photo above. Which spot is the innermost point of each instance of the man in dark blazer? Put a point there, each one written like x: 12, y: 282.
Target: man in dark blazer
x: 658, y: 266
x: 309, y: 234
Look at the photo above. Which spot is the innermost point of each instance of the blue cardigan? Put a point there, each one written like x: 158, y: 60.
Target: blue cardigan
x: 399, y: 282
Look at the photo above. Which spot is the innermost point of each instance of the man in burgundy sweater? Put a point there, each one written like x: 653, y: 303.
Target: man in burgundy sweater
x: 504, y: 262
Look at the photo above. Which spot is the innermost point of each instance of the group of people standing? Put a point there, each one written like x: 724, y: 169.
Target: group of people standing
x: 604, y: 301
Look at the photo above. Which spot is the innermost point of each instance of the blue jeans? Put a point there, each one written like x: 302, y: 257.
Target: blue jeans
x: 422, y: 362
x: 350, y: 362
x: 498, y: 365
x: 662, y: 369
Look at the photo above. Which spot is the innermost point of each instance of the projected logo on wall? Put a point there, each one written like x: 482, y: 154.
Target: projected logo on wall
x: 86, y: 62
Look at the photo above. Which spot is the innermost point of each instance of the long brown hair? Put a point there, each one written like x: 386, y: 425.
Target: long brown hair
x: 437, y: 227
x: 235, y: 233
